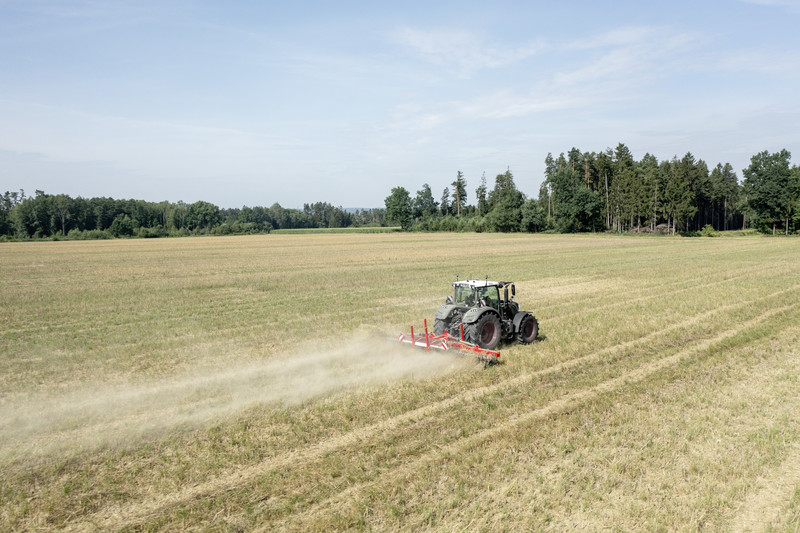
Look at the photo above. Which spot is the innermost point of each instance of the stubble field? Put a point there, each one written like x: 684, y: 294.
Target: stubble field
x: 243, y: 383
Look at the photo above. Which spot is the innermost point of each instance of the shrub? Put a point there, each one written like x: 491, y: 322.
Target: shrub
x: 708, y: 231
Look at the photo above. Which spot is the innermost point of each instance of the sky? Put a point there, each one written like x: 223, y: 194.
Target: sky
x: 257, y: 102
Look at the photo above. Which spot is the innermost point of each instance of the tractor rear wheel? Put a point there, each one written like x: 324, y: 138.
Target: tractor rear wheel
x: 439, y: 327
x: 485, y: 332
x: 528, y: 330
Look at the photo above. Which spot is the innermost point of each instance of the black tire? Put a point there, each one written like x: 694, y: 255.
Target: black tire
x: 528, y: 330
x: 485, y: 332
x: 439, y: 327
x: 455, y: 325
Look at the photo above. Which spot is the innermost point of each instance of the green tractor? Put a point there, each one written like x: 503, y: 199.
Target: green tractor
x: 485, y: 318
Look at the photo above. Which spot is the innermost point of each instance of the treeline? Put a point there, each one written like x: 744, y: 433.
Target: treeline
x: 61, y: 216
x: 581, y: 192
x: 610, y: 191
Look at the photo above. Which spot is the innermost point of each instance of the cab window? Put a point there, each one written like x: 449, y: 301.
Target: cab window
x: 490, y: 295
x: 465, y: 296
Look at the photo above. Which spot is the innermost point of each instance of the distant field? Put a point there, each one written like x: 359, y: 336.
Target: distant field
x: 243, y: 383
x: 305, y: 231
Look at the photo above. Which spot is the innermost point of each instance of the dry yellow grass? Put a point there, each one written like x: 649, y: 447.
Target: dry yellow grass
x: 236, y: 384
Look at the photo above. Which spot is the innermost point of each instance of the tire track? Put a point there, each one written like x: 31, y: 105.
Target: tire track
x: 466, y: 397
x: 78, y: 326
x: 762, y: 509
x: 562, y: 405
x: 137, y: 512
x: 649, y: 295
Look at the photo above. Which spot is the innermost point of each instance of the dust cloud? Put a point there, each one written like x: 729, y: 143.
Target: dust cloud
x: 121, y: 415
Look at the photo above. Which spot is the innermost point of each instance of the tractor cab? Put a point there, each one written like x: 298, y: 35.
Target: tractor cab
x: 480, y: 293
x: 469, y: 295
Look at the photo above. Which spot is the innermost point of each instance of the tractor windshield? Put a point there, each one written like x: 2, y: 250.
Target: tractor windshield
x: 464, y: 296
x: 490, y: 295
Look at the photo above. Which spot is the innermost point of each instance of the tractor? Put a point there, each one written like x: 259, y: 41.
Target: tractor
x: 477, y: 314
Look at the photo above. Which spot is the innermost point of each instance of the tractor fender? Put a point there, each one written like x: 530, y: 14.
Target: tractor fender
x: 518, y: 319
x: 444, y: 311
x: 472, y: 316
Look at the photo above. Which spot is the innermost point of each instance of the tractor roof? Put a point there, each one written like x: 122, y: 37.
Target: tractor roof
x: 480, y: 283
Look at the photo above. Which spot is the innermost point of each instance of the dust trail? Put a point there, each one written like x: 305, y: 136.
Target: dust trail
x: 107, y: 415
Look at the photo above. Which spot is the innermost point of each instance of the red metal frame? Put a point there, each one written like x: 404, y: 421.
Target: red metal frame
x: 447, y: 342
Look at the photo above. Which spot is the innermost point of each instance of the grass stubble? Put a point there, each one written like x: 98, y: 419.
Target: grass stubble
x: 239, y: 384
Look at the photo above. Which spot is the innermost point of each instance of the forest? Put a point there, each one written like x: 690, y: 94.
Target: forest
x: 611, y: 191
x: 605, y: 191
x: 45, y: 216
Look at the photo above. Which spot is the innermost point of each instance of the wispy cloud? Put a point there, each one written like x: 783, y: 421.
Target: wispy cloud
x: 625, y: 36
x: 496, y: 105
x: 634, y: 53
x: 461, y: 52
x: 609, y: 67
x: 507, y: 104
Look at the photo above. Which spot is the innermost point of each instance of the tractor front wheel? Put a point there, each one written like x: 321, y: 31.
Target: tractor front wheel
x: 485, y: 332
x: 528, y: 330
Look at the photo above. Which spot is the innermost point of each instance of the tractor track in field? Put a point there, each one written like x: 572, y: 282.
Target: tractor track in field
x: 598, y: 295
x: 766, y: 505
x: 140, y: 511
x: 647, y: 296
x: 78, y: 326
x: 555, y: 407
x: 762, y: 509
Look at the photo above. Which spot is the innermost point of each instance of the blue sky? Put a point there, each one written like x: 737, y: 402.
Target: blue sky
x: 252, y: 103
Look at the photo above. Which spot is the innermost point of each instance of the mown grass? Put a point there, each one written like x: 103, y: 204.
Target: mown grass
x: 306, y: 231
x: 664, y: 387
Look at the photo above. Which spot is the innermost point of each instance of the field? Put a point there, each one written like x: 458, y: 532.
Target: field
x: 244, y: 384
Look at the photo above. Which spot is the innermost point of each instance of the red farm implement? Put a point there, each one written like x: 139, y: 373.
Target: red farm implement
x: 447, y: 342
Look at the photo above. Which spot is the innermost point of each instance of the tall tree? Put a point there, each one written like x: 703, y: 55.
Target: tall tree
x: 398, y: 208
x: 62, y: 205
x: 652, y: 191
x: 424, y: 205
x: 678, y: 195
x: 731, y: 192
x: 724, y: 188
x: 444, y: 206
x: 771, y: 188
x: 603, y: 164
x: 459, y: 193
x: 624, y: 189
x: 505, y: 204
x: 480, y: 194
x: 8, y: 202
x: 700, y: 184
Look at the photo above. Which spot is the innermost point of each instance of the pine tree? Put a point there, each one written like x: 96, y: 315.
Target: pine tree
x: 444, y: 206
x: 480, y: 194
x: 459, y: 193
